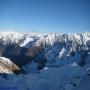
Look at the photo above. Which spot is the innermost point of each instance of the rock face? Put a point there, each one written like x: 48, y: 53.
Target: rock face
x: 20, y: 55
x: 33, y: 51
x: 7, y: 66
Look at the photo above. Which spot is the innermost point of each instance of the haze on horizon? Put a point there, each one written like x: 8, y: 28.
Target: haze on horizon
x: 65, y: 16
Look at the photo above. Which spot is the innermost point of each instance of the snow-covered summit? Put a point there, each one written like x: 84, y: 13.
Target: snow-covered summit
x: 10, y: 37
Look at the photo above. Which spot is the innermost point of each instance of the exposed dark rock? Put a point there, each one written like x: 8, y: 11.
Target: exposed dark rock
x: 83, y: 56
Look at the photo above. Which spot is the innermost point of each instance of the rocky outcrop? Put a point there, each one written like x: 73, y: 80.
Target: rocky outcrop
x: 7, y: 66
x: 33, y: 51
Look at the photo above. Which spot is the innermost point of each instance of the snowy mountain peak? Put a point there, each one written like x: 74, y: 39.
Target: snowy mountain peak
x: 25, y: 39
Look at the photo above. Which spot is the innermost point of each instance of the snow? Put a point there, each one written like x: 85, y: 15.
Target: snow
x: 3, y: 68
x: 10, y: 37
x: 26, y: 41
x: 74, y: 64
x: 6, y: 60
x: 62, y: 52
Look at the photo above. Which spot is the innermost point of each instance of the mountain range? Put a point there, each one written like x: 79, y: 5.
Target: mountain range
x: 56, y: 61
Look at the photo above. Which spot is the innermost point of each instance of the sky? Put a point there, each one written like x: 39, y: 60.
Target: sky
x: 64, y: 16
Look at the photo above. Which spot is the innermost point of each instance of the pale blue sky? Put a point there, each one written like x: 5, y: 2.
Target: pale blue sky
x: 45, y: 15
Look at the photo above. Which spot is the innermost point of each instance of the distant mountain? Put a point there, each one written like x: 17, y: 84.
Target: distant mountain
x: 29, y: 39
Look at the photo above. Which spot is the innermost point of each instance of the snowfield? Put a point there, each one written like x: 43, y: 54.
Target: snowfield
x: 60, y: 61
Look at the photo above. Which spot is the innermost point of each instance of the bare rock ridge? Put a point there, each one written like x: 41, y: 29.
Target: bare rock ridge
x: 7, y: 66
